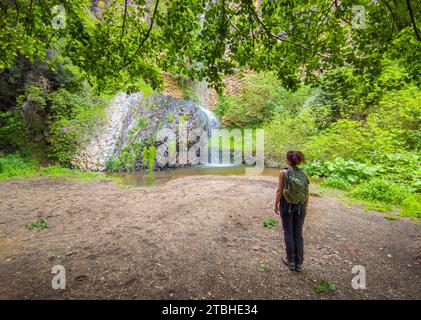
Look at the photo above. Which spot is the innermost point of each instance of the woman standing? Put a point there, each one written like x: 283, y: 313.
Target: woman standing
x: 291, y: 204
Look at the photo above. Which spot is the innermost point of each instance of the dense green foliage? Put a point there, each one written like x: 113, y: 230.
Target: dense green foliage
x: 122, y: 41
x: 75, y: 116
x: 56, y: 122
x: 255, y: 103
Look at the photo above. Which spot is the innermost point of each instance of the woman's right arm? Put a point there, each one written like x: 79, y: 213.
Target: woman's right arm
x: 279, y: 192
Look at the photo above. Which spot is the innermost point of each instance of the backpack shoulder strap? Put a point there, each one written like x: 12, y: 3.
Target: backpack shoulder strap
x: 286, y: 174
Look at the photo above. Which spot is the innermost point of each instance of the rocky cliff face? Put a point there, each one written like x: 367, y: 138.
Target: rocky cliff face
x: 207, y: 97
x: 136, y: 129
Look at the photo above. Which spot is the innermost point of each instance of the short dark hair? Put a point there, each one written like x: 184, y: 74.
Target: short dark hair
x: 295, y: 157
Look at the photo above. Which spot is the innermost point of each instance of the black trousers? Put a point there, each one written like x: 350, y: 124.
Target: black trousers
x: 292, y: 217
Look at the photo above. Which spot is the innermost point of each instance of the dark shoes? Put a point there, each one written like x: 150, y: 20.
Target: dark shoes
x: 292, y: 266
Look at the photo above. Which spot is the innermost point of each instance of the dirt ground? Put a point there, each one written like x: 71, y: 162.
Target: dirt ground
x: 193, y: 237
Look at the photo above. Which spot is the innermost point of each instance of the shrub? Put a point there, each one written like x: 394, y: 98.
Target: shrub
x: 76, y: 116
x: 393, y: 125
x: 400, y: 168
x: 399, y: 112
x: 289, y: 103
x: 148, y: 157
x: 380, y: 190
x: 145, y: 88
x: 24, y: 126
x: 287, y: 133
x: 12, y: 131
x: 223, y: 105
x: 347, y: 170
x: 403, y: 168
x: 349, y: 94
x: 190, y: 95
x: 350, y: 139
x: 254, y: 105
x: 13, y: 165
x: 319, y: 110
x: 411, y: 206
x: 113, y: 164
x: 336, y: 183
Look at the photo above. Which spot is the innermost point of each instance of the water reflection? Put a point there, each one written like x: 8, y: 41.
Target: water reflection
x: 163, y: 176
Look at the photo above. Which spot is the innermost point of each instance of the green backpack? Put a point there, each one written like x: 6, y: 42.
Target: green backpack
x: 296, y: 186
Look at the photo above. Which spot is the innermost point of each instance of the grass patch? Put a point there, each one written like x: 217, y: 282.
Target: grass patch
x: 369, y: 205
x: 380, y: 190
x: 262, y: 267
x: 316, y: 189
x: 336, y: 183
x: 60, y: 172
x: 378, y: 206
x: 411, y: 207
x: 391, y: 218
x: 269, y: 223
x: 380, y: 195
x: 38, y: 225
x: 16, y: 167
x: 324, y: 286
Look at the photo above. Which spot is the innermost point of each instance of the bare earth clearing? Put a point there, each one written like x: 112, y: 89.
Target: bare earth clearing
x: 194, y: 237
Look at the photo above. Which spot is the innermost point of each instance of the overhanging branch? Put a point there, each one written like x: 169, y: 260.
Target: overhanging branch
x: 408, y: 5
x: 148, y: 33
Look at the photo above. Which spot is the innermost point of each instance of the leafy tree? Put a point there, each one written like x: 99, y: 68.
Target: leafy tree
x: 112, y: 41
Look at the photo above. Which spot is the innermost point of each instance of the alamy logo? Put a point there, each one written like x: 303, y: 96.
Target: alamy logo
x: 59, y: 19
x: 59, y: 280
x: 359, y: 281
x: 358, y: 20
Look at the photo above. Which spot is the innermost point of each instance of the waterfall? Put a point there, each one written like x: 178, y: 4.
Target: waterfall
x: 209, y: 118
x: 202, y: 91
x: 132, y: 123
